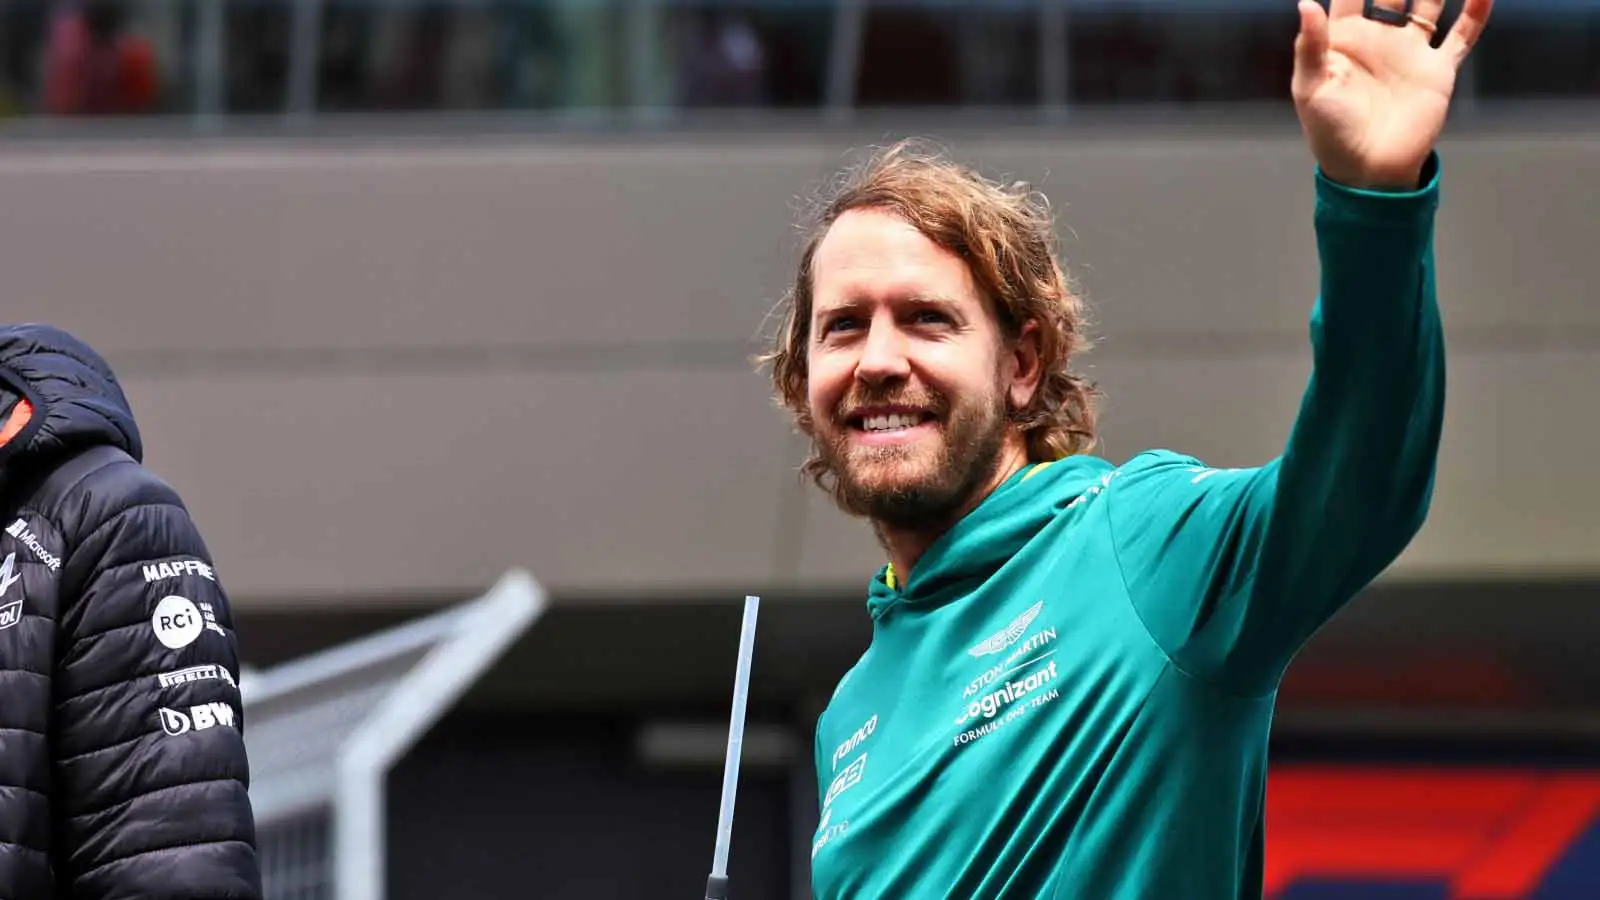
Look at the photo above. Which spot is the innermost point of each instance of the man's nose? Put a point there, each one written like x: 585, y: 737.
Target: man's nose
x: 883, y: 356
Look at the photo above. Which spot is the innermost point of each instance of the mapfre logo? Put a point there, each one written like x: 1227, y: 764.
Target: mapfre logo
x: 198, y: 718
x: 155, y: 572
x: 1000, y: 640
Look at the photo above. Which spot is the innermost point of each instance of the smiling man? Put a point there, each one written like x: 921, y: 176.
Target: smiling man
x: 1073, y: 664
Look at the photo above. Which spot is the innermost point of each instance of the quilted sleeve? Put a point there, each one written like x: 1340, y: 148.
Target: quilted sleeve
x: 151, y: 775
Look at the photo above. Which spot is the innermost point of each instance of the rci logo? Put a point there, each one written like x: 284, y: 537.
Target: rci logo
x: 199, y: 718
x: 176, y: 622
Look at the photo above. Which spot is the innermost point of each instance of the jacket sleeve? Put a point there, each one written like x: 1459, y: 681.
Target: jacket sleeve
x: 1234, y: 570
x: 151, y: 776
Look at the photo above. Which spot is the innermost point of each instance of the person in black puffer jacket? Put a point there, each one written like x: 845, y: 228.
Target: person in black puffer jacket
x: 123, y: 771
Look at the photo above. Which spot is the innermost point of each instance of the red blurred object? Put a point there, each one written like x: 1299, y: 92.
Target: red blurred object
x: 1457, y: 679
x: 95, y: 69
x: 1490, y: 834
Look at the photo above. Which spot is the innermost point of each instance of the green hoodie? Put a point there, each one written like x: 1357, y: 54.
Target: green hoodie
x: 1071, y: 694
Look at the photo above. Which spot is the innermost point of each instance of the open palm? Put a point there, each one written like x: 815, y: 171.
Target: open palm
x: 1372, y: 96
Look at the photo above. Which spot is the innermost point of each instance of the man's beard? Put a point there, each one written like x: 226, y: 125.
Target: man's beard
x: 971, y: 440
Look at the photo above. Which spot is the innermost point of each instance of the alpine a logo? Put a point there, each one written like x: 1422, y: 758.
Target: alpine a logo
x: 20, y: 530
x: 1009, y: 635
x: 198, y: 718
x: 10, y: 611
x: 8, y: 573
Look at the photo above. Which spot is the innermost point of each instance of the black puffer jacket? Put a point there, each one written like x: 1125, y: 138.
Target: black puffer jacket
x: 122, y: 760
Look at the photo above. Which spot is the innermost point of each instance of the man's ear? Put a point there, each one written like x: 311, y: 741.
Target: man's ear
x: 1024, y: 366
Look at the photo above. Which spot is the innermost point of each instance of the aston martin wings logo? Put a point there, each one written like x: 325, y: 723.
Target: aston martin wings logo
x: 1009, y: 635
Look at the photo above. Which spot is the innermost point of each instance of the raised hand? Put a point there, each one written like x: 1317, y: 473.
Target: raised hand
x: 1372, y: 95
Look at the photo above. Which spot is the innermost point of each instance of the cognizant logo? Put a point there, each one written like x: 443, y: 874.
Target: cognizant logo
x: 989, y: 705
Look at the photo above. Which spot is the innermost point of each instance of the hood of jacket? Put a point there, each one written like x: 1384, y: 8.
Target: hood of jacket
x: 76, y: 401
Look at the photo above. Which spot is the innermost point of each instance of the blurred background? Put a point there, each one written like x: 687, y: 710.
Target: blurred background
x: 409, y: 295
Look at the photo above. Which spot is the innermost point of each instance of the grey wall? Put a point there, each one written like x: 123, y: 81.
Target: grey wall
x: 392, y: 370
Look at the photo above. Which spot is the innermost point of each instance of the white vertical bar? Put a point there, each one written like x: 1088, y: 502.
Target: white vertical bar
x: 730, y: 764
x: 844, y: 58
x: 305, y: 58
x: 358, y: 851
x: 650, y: 94
x: 210, y: 53
x: 1053, y: 71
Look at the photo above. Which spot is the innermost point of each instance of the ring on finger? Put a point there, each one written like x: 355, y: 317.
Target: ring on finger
x: 1426, y: 24
x: 1395, y: 17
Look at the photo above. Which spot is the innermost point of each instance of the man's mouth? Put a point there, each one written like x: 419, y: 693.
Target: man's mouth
x: 889, y: 421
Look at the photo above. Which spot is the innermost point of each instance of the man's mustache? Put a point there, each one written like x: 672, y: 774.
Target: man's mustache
x: 923, y: 400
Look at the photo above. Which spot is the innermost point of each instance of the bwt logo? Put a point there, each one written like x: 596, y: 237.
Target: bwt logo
x: 199, y: 718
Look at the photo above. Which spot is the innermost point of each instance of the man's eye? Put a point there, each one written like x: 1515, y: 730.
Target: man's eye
x: 836, y: 324
x: 931, y: 317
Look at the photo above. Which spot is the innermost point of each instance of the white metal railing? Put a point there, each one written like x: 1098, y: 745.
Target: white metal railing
x: 324, y: 731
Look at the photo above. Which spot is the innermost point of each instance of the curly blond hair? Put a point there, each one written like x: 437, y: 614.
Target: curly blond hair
x: 1006, y: 236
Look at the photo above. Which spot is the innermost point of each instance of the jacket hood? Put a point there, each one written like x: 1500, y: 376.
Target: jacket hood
x: 77, y: 400
x: 978, y: 545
